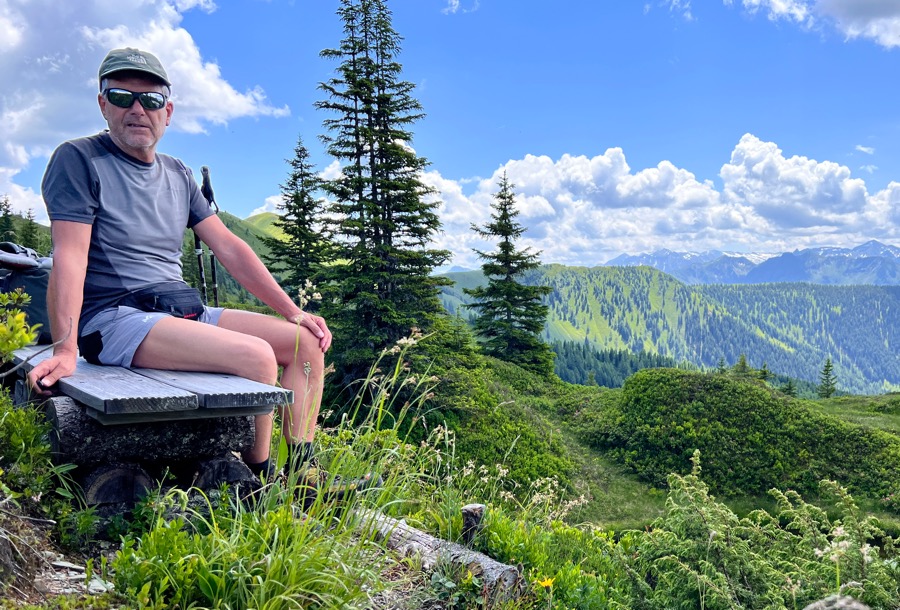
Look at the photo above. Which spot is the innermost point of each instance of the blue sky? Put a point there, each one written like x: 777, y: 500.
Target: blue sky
x: 626, y: 126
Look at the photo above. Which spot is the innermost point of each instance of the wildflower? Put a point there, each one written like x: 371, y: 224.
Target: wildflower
x: 866, y: 552
x: 546, y: 583
x: 469, y: 468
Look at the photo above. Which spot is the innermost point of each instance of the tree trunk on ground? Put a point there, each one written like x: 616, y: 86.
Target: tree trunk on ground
x: 501, y: 581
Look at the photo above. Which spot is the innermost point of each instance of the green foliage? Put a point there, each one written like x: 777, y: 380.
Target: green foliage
x: 789, y: 388
x: 584, y: 364
x: 7, y: 227
x: 382, y: 216
x: 752, y: 439
x: 827, y: 380
x: 15, y: 332
x: 22, y: 230
x: 31, y: 481
x: 30, y: 235
x: 301, y: 249
x: 243, y: 559
x: 701, y: 555
x: 457, y: 591
x: 510, y: 314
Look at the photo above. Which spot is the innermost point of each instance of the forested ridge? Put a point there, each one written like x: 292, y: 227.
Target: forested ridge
x: 792, y: 328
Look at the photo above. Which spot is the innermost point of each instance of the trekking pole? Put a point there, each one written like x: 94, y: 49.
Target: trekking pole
x: 198, y: 250
x: 207, y: 191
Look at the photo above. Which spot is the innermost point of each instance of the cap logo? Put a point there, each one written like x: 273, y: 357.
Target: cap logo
x: 137, y: 59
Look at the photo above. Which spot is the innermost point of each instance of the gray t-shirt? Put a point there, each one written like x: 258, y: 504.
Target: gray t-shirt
x: 138, y: 210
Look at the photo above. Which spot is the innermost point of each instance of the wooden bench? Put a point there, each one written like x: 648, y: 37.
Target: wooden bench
x: 118, y: 425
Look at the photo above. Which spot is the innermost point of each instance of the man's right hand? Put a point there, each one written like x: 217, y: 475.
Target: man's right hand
x: 46, y: 373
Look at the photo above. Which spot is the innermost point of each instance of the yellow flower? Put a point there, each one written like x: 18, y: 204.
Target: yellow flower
x: 546, y: 583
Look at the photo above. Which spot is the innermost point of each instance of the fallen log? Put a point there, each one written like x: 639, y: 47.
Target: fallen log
x: 501, y: 581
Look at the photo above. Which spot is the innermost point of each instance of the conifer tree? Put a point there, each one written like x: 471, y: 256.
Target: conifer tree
x: 7, y: 228
x: 721, y: 367
x: 29, y: 236
x: 741, y: 369
x: 305, y: 246
x: 827, y: 380
x: 789, y: 388
x: 510, y: 313
x: 384, y: 216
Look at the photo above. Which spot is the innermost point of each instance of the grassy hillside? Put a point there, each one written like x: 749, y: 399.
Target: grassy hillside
x: 264, y: 223
x: 792, y: 328
x: 622, y: 444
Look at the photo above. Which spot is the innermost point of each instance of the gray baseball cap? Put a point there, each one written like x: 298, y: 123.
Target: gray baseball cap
x: 133, y: 60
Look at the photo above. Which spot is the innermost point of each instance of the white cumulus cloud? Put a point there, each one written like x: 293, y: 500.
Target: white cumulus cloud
x: 49, y: 55
x: 581, y: 210
x: 877, y: 20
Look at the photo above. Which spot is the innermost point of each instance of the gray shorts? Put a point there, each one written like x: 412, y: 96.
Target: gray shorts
x: 122, y: 329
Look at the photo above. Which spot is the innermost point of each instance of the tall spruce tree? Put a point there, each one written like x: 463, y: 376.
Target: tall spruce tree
x: 510, y: 313
x: 827, y: 380
x: 383, y: 217
x: 305, y: 247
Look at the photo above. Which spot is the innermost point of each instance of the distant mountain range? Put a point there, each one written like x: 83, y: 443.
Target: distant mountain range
x: 872, y: 263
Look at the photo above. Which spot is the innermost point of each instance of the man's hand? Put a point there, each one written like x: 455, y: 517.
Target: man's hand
x: 316, y: 325
x: 46, y: 373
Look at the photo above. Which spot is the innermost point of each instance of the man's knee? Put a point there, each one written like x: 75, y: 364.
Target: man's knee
x: 255, y: 359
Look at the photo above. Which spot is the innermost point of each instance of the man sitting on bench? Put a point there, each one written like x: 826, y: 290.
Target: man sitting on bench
x: 118, y: 211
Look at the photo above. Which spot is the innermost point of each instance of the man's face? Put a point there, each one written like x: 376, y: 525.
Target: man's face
x: 136, y: 130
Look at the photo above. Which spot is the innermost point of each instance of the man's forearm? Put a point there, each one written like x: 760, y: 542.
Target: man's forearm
x: 244, y: 265
x: 64, y: 308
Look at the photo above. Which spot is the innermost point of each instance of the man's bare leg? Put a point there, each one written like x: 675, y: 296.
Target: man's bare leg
x: 250, y: 345
x: 297, y: 351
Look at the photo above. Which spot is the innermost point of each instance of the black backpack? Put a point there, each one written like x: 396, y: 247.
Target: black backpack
x: 22, y: 267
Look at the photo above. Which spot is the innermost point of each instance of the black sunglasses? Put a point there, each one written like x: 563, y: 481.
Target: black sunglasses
x: 123, y: 98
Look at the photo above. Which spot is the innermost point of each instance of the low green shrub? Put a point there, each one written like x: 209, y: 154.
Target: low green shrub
x: 752, y: 438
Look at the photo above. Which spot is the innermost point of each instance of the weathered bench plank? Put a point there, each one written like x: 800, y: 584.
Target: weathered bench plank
x: 221, y: 391
x: 114, y: 390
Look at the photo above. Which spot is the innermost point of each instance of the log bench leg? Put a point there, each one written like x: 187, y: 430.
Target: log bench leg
x: 121, y: 463
x: 116, y: 484
x: 80, y: 439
